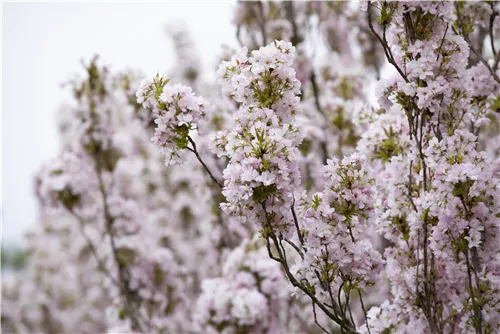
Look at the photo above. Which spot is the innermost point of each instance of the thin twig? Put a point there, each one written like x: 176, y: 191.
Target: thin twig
x: 315, y: 90
x: 316, y: 320
x: 195, y: 151
x: 290, y: 13
x: 294, y: 247
x: 492, y: 21
x: 295, y: 220
x: 497, y: 60
x: 383, y: 42
x: 364, y: 311
x: 410, y: 187
x: 442, y: 42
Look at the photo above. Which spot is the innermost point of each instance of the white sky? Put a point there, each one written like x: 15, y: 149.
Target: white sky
x: 42, y: 47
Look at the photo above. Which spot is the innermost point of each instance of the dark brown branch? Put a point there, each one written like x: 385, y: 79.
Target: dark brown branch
x: 497, y: 60
x: 290, y: 13
x: 296, y: 222
x: 493, y: 15
x: 294, y: 247
x: 410, y: 187
x: 316, y: 320
x: 383, y: 42
x: 364, y: 311
x: 442, y: 42
x: 195, y: 151
x: 320, y: 110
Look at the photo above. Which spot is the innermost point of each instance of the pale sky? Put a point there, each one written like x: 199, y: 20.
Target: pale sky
x: 42, y: 47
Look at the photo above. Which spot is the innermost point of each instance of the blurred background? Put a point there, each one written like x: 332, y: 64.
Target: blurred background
x: 43, y: 46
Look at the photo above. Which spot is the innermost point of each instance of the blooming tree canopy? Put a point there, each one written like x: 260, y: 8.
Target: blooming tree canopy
x: 341, y: 176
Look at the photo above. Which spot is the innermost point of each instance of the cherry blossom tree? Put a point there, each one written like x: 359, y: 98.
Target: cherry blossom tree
x: 341, y: 176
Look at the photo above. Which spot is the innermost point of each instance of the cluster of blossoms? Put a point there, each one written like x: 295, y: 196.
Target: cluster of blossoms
x: 177, y: 111
x: 438, y: 193
x: 461, y: 210
x: 154, y: 280
x: 464, y: 207
x: 386, y: 136
x: 342, y: 95
x: 262, y: 170
x: 66, y: 180
x: 251, y: 294
x: 336, y: 231
x: 400, y: 232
